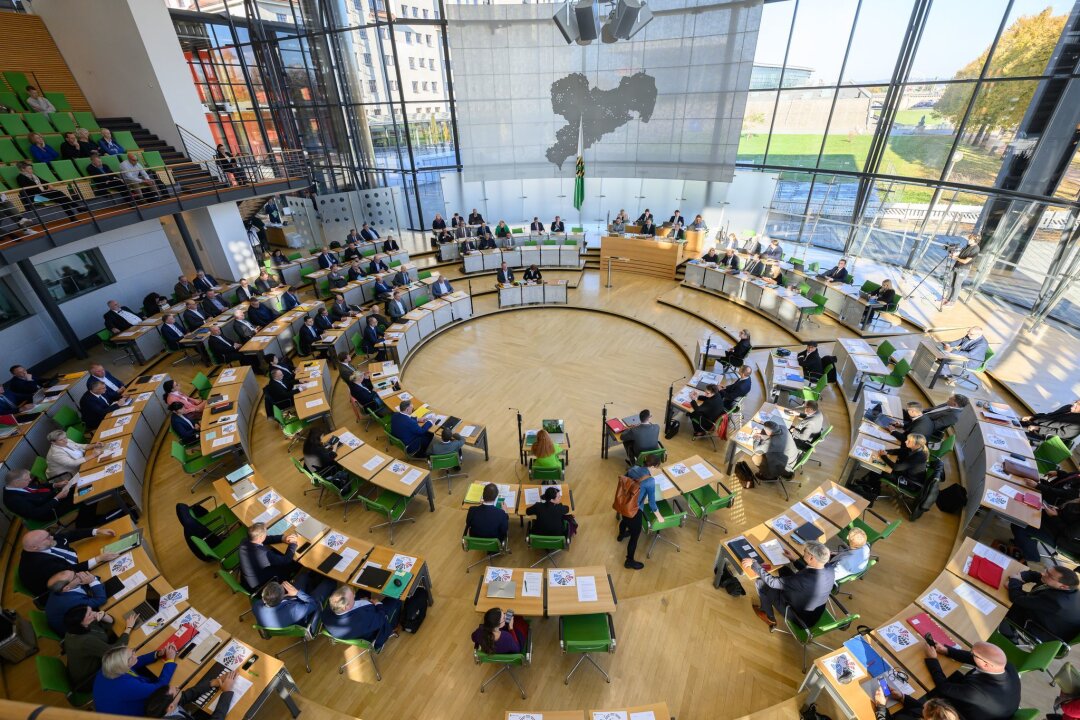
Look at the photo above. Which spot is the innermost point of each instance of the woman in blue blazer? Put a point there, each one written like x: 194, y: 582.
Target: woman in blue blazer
x: 120, y: 690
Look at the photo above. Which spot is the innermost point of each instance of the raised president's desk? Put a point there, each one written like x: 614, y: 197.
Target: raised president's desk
x: 644, y: 255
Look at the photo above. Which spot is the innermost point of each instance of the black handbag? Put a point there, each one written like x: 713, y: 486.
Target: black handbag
x: 810, y: 713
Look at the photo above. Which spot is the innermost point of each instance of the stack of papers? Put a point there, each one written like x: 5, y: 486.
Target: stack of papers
x: 475, y: 493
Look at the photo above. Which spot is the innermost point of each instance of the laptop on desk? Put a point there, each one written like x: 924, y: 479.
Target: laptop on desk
x: 501, y: 589
x: 148, y: 608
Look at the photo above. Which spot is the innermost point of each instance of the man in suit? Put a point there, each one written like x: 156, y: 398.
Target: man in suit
x: 837, y: 274
x: 487, y: 241
x: 677, y: 221
x: 113, y: 387
x: 505, y: 275
x: 737, y: 390
x: 377, y: 265
x: 265, y: 282
x: 755, y: 266
x: 1063, y: 423
x: 730, y: 260
x: 186, y: 430
x: 120, y: 317
x: 244, y: 292
x: 372, y: 337
x: 280, y: 392
x: 412, y: 432
x: 468, y: 245
x: 169, y: 701
x: 401, y: 277
x: 308, y: 336
x: 390, y: 245
x: 810, y: 362
x: 475, y: 218
x: 44, y: 555
x: 643, y: 437
x: 184, y: 289
x: 258, y: 314
x: 557, y: 225
x: 643, y: 217
x: 972, y: 346
x: 68, y: 589
x: 288, y: 372
x: 281, y: 604
x: 774, y: 450
x: 486, y: 520
x: 103, y: 181
x: 350, y: 615
x: 804, y: 592
x: 94, y: 405
x: 193, y: 316
x: 808, y: 427
x: 355, y: 270
x: 23, y: 386
x: 353, y: 237
x: 345, y: 366
x: 441, y: 287
x: 327, y: 259
x: 774, y: 251
x: 395, y: 308
x: 945, y: 416
x: 915, y: 422
x: 536, y: 226
x: 213, y: 304
x: 708, y: 408
x: 171, y: 332
x: 1049, y: 610
x: 223, y: 349
x: 991, y: 691
x: 341, y: 309
x: 369, y: 233
x: 289, y: 299
x: 27, y: 498
x: 260, y: 563
x: 204, y: 282
x: 244, y: 330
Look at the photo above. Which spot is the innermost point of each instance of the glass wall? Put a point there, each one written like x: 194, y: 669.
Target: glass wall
x: 70, y: 276
x: 363, y: 87
x: 898, y: 126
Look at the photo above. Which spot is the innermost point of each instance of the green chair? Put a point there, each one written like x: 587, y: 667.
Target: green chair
x: 75, y: 435
x: 547, y: 475
x: 21, y: 588
x: 554, y: 544
x: 1050, y: 453
x: 295, y: 256
x: 894, y: 379
x: 394, y: 264
x: 202, y: 385
x: 59, y: 101
x: 391, y: 505
x: 577, y: 230
x: 53, y: 677
x: 705, y: 501
x: 291, y: 427
x: 869, y: 287
x: 11, y: 100
x: 491, y: 547
x: 585, y: 635
x: 944, y: 448
x: 65, y: 171
x: 346, y: 495
x: 829, y: 621
x: 847, y: 579
x: 234, y: 585
x: 381, y: 420
x: 224, y: 550
x: 421, y: 300
x: 804, y: 290
x: 508, y: 661
x: 43, y: 171
x: 9, y: 153
x: 447, y: 463
x: 809, y: 454
x: 13, y: 124
x: 673, y: 517
x: 1026, y: 714
x: 872, y: 535
x: 818, y: 309
x: 813, y: 392
x: 123, y: 137
x: 41, y: 627
x: 365, y: 645
x: 315, y: 487
x: 17, y: 81
x: 550, y: 241
x: 967, y: 376
x: 1025, y: 661
x: 39, y: 123
x: 885, y: 352
x: 711, y: 431
x: 39, y: 469
x: 660, y: 453
x: 423, y: 275
x: 292, y: 631
x: 197, y: 466
x: 530, y: 243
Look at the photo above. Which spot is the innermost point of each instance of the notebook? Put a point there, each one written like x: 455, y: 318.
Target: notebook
x: 807, y: 532
x: 125, y: 543
x: 371, y: 576
x: 451, y: 422
x: 616, y: 425
x: 743, y: 549
x: 501, y: 589
x: 180, y: 638
x: 397, y: 584
x: 328, y: 564
x: 475, y: 494
x: 923, y: 624
x: 986, y: 571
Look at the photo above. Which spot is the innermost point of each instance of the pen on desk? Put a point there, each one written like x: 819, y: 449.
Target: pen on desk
x: 252, y: 672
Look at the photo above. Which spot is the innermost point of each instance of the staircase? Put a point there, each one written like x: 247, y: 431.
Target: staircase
x: 189, y: 177
x: 250, y: 208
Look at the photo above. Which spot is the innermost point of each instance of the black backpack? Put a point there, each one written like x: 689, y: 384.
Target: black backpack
x: 731, y: 584
x: 414, y: 610
x: 952, y: 499
x: 671, y: 429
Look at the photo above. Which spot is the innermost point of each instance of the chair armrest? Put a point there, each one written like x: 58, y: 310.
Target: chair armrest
x: 614, y: 597
x: 479, y: 586
x: 527, y: 650
x: 721, y: 485
x: 611, y: 629
x: 211, y: 498
x: 878, y: 516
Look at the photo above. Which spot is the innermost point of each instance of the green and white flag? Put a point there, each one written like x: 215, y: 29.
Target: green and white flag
x: 579, y: 181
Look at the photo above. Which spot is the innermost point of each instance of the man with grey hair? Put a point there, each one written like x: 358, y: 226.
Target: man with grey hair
x: 804, y: 591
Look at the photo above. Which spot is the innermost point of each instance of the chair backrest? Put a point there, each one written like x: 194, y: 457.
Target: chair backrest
x: 421, y: 300
x: 179, y: 453
x: 52, y: 674
x: 869, y: 287
x: 201, y: 383
x: 446, y: 461
x: 65, y: 170
x: 901, y: 369
x: 289, y: 631
x: 545, y: 473
x: 59, y: 101
x: 38, y: 122
x: 469, y: 542
x: 1050, y: 453
x: 75, y: 434
x: 125, y: 138
x: 889, y: 530
x: 11, y: 100
x: 38, y: 469
x: 231, y: 582
x: 43, y: 171
x: 279, y: 416
x: 986, y: 359
x: 547, y: 542
x: 66, y: 416
x: 9, y: 153
x: 885, y: 351
x: 945, y: 448
x: 658, y: 452
x: 820, y: 301
x: 87, y: 120
x: 203, y: 547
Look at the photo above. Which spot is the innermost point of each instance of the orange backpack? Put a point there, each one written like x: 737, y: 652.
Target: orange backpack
x: 627, y: 493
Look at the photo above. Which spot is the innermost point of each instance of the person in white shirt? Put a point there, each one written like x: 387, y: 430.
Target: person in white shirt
x: 855, y: 559
x: 137, y: 179
x: 66, y: 455
x: 38, y: 102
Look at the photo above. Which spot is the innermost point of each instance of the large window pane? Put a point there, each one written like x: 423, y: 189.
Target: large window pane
x: 991, y: 130
x: 956, y: 38
x: 854, y: 120
x: 819, y: 40
x: 923, y: 134
x: 70, y: 276
x: 11, y: 310
x: 755, y: 130
x: 772, y: 42
x: 879, y: 31
x: 801, y: 116
x: 1034, y: 27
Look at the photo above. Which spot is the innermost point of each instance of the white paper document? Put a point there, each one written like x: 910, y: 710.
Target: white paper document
x: 804, y: 512
x: 350, y: 440
x: 586, y: 588
x: 227, y: 440
x: 702, y: 471
x: 644, y: 715
x: 131, y: 582
x: 347, y: 556
x: 411, y: 477
x: 774, y: 552
x: 841, y: 497
x: 374, y: 462
x: 975, y: 598
x: 466, y: 431
x: 998, y: 558
x: 267, y: 515
x: 313, y: 403
x: 532, y: 584
x: 532, y: 496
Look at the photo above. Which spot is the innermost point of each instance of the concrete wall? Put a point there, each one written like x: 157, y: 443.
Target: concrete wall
x: 127, y: 60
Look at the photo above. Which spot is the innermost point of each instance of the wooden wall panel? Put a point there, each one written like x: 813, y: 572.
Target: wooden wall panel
x: 29, y: 48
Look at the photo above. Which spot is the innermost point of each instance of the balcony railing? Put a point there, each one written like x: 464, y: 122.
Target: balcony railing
x: 102, y: 200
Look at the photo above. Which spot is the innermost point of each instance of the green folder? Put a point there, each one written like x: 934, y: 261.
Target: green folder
x: 394, y: 591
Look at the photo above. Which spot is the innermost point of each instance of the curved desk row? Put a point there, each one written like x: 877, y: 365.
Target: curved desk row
x: 784, y: 304
x: 450, y: 251
x: 521, y: 293
x: 564, y: 254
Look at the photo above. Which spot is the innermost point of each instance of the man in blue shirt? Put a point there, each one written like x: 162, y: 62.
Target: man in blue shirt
x: 282, y: 604
x: 410, y: 431
x: 351, y: 615
x: 68, y: 589
x: 631, y: 526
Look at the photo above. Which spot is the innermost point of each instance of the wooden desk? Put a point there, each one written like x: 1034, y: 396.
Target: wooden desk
x: 526, y: 496
x: 186, y: 667
x: 132, y: 600
x: 114, y: 449
x: 94, y: 546
x: 264, y: 675
x: 100, y: 481
x: 912, y: 655
x: 958, y: 563
x: 692, y: 473
x: 508, y: 493
x: 797, y: 514
x: 830, y: 501
x: 404, y: 479
x: 1014, y: 510
x: 364, y: 461
x: 521, y: 604
x: 226, y: 492
x: 336, y: 541
x: 654, y: 711
x: 964, y: 620
x: 563, y: 600
x: 645, y: 256
x: 850, y: 696
x: 265, y: 506
x: 545, y: 714
x: 392, y: 560
x: 142, y: 572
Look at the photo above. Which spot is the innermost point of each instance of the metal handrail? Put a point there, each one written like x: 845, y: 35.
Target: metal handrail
x: 173, y: 183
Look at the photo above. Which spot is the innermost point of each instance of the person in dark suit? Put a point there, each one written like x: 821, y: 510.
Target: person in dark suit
x: 204, y: 282
x: 907, y: 464
x: 68, y: 589
x: 23, y: 386
x: 281, y: 604
x: 756, y: 266
x: 677, y: 221
x: 557, y: 225
x: 505, y: 275
x: 326, y: 259
x: 946, y: 415
x: 737, y: 390
x: 475, y: 218
x: 486, y: 520
x: 281, y: 393
x: 401, y: 277
x: 880, y: 298
x: 395, y: 308
x: 223, y: 349
x: 774, y: 251
x: 186, y: 429
x: 29, y: 499
x: 120, y: 317
x: 536, y: 226
x: 340, y: 309
x: 184, y: 289
x: 914, y: 423
x: 1063, y: 423
x: 774, y: 450
x: 94, y: 405
x: 487, y: 241
x: 468, y: 245
x: 810, y: 362
x: 372, y: 337
x: 839, y: 273
x: 737, y: 354
x: 1049, y: 610
x: 369, y: 233
x: 260, y: 314
x: 276, y: 362
x: 643, y: 437
x: 213, y: 304
x: 31, y: 186
x: 991, y: 691
x: 808, y: 427
x: 44, y: 555
x: 390, y: 245
x: 377, y: 265
x: 805, y: 592
x: 103, y: 181
x: 644, y: 217
x: 648, y: 228
x: 441, y: 287
x: 265, y: 282
x: 708, y: 408
x: 169, y: 700
x: 323, y: 321
x: 972, y: 346
x: 710, y: 256
x: 350, y: 615
x: 260, y: 563
x: 549, y: 513
x: 289, y: 299
x: 308, y: 336
x: 193, y: 316
x: 362, y: 390
x: 355, y: 271
x: 415, y: 434
x: 438, y: 224
x: 244, y: 292
x: 533, y: 274
x: 171, y: 331
x: 243, y: 329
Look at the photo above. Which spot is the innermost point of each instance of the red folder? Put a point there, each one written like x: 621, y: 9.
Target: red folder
x: 923, y: 623
x: 986, y: 571
x: 180, y: 638
x: 616, y: 425
x: 1031, y: 500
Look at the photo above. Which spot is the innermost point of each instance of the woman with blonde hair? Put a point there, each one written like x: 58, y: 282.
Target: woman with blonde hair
x: 882, y: 297
x: 545, y: 451
x: 121, y: 691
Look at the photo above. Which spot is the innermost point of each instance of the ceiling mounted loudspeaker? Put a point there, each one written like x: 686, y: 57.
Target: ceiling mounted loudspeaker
x: 630, y: 17
x: 588, y: 21
x: 566, y: 21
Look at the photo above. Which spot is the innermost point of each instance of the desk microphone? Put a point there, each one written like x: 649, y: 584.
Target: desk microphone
x: 673, y: 382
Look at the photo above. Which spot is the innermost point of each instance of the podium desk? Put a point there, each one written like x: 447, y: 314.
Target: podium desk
x: 644, y: 255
